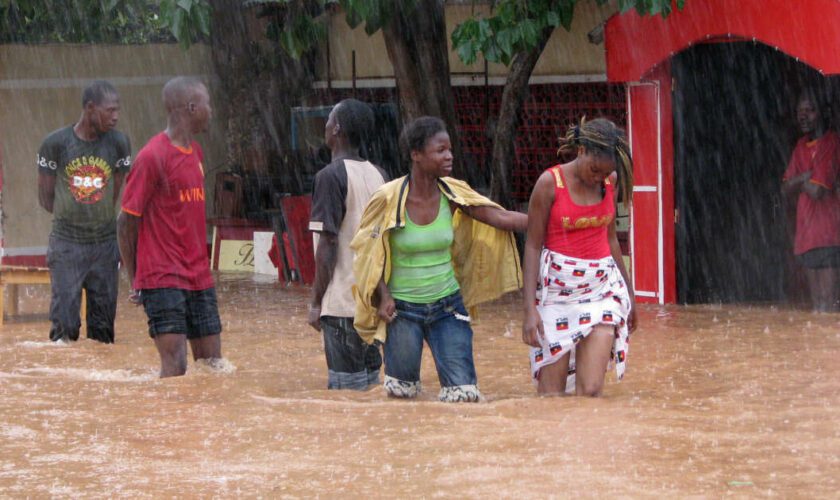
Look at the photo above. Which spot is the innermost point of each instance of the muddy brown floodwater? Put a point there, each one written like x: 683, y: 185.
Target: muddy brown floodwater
x: 716, y: 401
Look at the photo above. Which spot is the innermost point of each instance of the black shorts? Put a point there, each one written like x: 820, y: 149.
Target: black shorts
x: 820, y: 258
x: 173, y: 310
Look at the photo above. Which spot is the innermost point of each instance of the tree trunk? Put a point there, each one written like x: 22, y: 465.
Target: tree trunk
x: 259, y: 84
x: 231, y: 49
x: 504, y: 138
x: 416, y: 40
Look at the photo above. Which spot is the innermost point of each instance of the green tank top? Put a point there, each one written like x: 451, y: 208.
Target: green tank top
x: 421, y: 260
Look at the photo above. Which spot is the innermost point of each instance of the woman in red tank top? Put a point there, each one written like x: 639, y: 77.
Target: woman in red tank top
x: 579, y: 304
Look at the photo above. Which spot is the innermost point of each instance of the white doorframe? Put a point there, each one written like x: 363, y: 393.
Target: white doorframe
x: 659, y: 293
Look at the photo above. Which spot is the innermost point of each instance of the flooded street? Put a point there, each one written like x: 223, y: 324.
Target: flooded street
x: 716, y: 401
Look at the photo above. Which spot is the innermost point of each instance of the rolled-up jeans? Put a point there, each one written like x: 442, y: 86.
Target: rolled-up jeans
x: 351, y: 363
x: 445, y: 325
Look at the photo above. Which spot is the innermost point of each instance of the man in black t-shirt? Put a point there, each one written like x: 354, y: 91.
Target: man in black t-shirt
x: 81, y: 168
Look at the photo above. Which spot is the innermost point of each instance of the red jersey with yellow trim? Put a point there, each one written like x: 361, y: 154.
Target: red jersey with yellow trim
x: 817, y: 221
x: 165, y: 189
x: 576, y: 230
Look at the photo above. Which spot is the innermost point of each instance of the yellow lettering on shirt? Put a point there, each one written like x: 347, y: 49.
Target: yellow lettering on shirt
x: 191, y: 194
x: 586, y: 222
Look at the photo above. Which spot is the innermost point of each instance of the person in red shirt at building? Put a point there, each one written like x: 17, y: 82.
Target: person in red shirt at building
x: 811, y: 179
x: 579, y: 303
x: 163, y: 236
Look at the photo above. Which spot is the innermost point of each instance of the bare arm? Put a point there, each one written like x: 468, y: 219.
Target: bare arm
x: 46, y: 191
x: 119, y: 178
x: 499, y: 218
x: 793, y: 186
x: 802, y: 184
x: 127, y: 229
x: 326, y: 257
x: 539, y: 208
x: 814, y: 190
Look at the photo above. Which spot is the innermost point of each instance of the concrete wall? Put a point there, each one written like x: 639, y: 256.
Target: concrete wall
x: 568, y: 53
x: 40, y: 91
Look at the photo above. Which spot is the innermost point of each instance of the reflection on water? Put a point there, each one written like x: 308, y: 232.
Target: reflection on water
x: 716, y: 400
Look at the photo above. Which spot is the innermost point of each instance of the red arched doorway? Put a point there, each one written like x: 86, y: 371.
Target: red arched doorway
x: 640, y: 51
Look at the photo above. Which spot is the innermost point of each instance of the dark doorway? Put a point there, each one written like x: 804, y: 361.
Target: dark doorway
x: 734, y: 130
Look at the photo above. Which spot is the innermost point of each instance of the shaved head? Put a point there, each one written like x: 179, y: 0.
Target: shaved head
x: 187, y: 103
x: 180, y: 91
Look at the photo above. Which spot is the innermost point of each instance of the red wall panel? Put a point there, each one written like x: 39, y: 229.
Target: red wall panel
x: 805, y: 29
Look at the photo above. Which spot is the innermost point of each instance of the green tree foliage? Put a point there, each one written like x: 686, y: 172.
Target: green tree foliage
x: 294, y: 24
x: 374, y: 13
x: 187, y: 20
x: 299, y: 25
x: 104, y: 21
x: 515, y: 25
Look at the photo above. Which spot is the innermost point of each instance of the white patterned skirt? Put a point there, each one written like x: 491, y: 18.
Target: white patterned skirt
x: 573, y: 296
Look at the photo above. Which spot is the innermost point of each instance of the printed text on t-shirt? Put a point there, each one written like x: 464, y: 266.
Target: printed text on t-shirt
x: 191, y: 194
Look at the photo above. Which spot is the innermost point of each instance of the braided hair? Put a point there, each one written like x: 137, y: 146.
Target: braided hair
x: 603, y: 138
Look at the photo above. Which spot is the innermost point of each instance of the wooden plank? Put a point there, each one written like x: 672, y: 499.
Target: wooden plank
x: 13, y: 276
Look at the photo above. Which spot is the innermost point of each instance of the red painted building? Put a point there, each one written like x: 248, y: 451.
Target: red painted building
x: 668, y: 64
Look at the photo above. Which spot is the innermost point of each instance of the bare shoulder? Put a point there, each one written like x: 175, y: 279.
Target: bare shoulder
x: 545, y: 185
x: 547, y: 177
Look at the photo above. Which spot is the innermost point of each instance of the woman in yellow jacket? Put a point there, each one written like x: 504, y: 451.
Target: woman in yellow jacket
x: 427, y: 248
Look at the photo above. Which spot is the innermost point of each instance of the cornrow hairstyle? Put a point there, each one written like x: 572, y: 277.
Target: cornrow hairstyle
x: 96, y: 92
x: 603, y: 138
x: 416, y: 134
x: 356, y: 121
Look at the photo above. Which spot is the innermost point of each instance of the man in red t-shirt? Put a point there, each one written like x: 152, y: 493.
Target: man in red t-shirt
x: 162, y: 234
x: 812, y: 180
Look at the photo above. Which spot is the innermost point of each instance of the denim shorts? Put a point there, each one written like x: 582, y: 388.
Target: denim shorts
x: 194, y: 313
x: 445, y: 326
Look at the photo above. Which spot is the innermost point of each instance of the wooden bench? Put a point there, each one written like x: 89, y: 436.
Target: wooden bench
x: 13, y: 276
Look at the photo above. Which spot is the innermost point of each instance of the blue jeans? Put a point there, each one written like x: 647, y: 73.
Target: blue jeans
x: 445, y: 325
x: 351, y: 363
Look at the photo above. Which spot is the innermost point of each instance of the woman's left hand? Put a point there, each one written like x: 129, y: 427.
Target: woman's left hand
x: 532, y: 328
x: 632, y: 323
x: 387, y: 310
